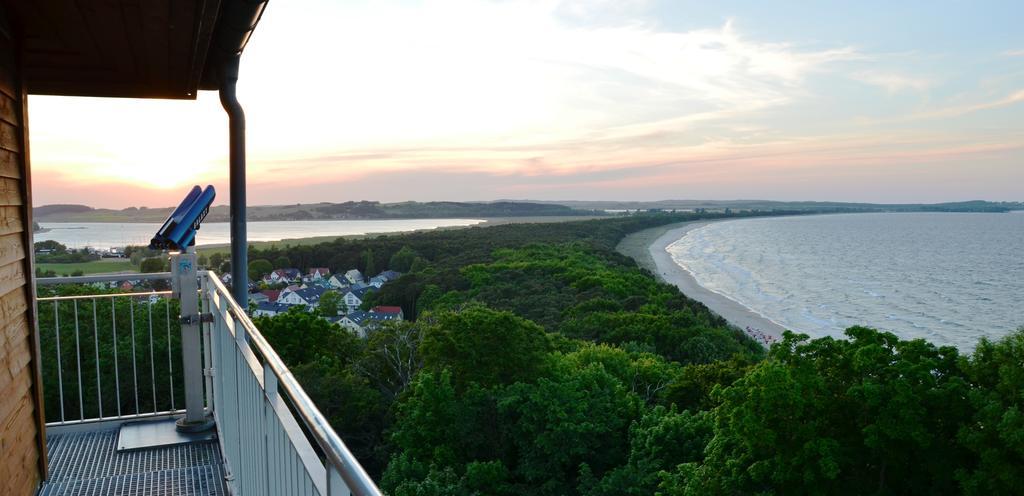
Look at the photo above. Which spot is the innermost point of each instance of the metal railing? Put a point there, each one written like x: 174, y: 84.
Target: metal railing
x: 109, y: 356
x: 273, y: 438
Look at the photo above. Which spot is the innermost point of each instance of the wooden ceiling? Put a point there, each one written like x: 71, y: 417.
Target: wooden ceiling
x: 113, y: 48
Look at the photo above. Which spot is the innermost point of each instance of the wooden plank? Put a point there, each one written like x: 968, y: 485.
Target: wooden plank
x: 12, y: 305
x: 10, y: 137
x: 10, y: 220
x: 12, y: 249
x: 8, y: 109
x: 10, y: 191
x: 8, y: 81
x: 17, y: 388
x: 12, y: 276
x: 10, y: 164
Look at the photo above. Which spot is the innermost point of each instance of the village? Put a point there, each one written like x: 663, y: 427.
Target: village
x: 336, y: 297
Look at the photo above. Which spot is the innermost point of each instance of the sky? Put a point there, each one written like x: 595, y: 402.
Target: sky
x: 912, y: 101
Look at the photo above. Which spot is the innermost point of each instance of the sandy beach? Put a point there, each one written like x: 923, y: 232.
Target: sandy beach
x: 648, y: 248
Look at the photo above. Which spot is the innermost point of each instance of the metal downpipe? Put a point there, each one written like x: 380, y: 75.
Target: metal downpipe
x: 236, y: 132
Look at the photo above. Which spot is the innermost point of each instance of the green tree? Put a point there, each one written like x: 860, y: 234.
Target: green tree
x: 369, y: 267
x: 484, y: 346
x: 282, y: 262
x: 995, y: 433
x: 259, y: 268
x: 50, y: 245
x: 202, y: 261
x: 580, y: 416
x: 154, y: 265
x: 402, y: 260
x: 216, y: 259
x: 839, y: 417
x: 418, y: 264
x: 330, y: 303
x: 225, y: 267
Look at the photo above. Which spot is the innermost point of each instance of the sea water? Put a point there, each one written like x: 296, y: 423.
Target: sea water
x: 104, y: 235
x: 950, y: 278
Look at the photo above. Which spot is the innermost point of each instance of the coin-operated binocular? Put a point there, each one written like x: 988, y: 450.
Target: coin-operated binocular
x: 178, y: 234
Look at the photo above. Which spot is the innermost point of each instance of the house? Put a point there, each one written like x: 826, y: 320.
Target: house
x: 354, y: 297
x: 389, y: 275
x: 388, y: 310
x: 354, y: 276
x: 271, y: 294
x: 362, y: 322
x: 309, y: 297
x: 319, y: 273
x: 225, y: 278
x: 126, y: 286
x: 268, y: 309
x: 279, y: 276
x: 339, y: 281
x: 257, y: 298
x: 377, y: 281
x: 352, y: 323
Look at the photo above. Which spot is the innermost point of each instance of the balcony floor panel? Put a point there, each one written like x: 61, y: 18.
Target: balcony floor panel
x: 88, y: 464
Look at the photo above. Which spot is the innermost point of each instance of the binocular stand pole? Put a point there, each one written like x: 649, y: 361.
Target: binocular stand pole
x: 185, y: 287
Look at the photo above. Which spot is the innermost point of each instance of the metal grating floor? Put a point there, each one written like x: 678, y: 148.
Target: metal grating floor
x: 88, y: 464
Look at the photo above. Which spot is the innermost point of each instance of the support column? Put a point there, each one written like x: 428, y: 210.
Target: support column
x: 236, y: 127
x: 186, y: 290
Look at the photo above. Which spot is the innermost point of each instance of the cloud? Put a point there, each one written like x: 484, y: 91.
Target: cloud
x: 1014, y: 53
x: 892, y: 82
x: 958, y: 110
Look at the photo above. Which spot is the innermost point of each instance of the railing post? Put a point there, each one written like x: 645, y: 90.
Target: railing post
x: 335, y: 484
x: 185, y: 287
x: 208, y: 369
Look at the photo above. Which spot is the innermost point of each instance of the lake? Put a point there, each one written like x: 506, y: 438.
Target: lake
x: 104, y: 235
x: 948, y: 277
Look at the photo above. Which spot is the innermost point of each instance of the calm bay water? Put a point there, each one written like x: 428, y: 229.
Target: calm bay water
x: 947, y: 277
x: 104, y: 235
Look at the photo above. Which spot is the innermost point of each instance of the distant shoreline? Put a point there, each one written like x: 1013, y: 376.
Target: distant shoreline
x: 648, y: 248
x: 486, y: 222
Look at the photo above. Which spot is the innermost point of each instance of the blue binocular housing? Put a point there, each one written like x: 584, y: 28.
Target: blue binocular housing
x: 179, y: 230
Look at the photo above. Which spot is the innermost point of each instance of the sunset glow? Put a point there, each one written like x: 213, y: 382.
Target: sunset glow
x: 576, y: 99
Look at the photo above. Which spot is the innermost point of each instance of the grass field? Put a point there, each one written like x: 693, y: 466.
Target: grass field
x: 97, y: 267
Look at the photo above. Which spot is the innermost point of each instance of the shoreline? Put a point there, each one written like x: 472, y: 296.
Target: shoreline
x: 649, y: 249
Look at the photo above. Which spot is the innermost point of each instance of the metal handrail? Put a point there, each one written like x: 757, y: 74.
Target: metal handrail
x: 334, y: 449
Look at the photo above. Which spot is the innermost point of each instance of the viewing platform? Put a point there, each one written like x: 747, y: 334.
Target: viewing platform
x: 114, y: 386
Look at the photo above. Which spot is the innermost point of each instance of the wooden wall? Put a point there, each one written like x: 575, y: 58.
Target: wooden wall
x: 22, y: 441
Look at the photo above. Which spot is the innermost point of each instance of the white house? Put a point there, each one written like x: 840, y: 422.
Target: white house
x: 309, y: 297
x: 354, y: 276
x: 348, y: 323
x: 338, y: 281
x: 319, y: 273
x: 283, y: 275
x: 354, y: 297
x: 362, y: 322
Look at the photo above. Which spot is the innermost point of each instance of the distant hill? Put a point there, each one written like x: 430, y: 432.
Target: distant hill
x: 368, y: 210
x: 59, y: 209
x: 361, y: 210
x: 799, y: 206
